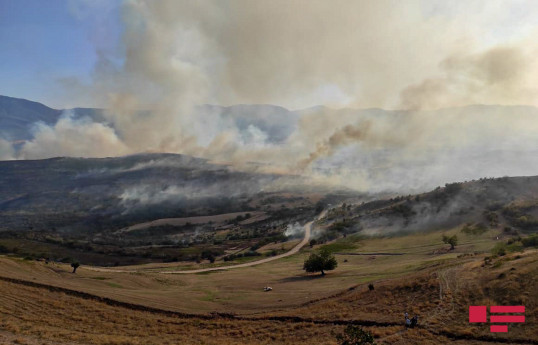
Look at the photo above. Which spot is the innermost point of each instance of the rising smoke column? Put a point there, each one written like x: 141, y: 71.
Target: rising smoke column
x: 181, y: 54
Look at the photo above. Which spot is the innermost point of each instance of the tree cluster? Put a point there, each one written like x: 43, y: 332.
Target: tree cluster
x: 320, y: 261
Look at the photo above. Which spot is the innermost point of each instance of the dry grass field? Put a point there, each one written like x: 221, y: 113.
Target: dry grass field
x: 230, y: 307
x: 38, y: 316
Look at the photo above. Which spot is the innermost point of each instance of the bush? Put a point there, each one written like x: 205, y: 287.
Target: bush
x: 404, y: 210
x: 452, y: 188
x: 499, y: 249
x: 354, y: 335
x: 476, y: 229
x: 503, y: 248
x: 492, y: 218
x: 531, y: 241
x: 3, y: 249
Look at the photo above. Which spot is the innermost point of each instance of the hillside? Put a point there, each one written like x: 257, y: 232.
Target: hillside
x: 393, y: 243
x: 68, y: 192
x: 45, y: 303
x: 507, y: 204
x: 17, y: 116
x: 66, y: 208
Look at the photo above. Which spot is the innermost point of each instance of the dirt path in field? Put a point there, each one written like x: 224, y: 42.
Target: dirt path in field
x: 307, y: 231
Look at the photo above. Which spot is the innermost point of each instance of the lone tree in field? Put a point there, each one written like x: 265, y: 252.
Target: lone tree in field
x: 320, y: 262
x: 75, y: 265
x: 354, y: 335
x: 452, y: 240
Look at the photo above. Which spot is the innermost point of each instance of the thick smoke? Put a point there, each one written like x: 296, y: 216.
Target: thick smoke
x: 294, y: 230
x: 415, y: 56
x: 501, y: 75
x: 73, y: 137
x: 6, y: 150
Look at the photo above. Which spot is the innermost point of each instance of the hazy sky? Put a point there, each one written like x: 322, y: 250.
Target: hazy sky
x: 43, y: 42
x: 430, y: 58
x: 291, y: 53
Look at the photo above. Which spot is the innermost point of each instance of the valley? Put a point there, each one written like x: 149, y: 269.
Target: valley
x: 393, y: 244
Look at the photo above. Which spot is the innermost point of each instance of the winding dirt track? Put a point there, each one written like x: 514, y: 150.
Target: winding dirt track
x: 307, y: 231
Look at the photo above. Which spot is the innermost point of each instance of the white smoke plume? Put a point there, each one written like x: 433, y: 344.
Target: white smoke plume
x: 414, y: 55
x: 294, y: 230
x: 73, y: 137
x: 6, y: 150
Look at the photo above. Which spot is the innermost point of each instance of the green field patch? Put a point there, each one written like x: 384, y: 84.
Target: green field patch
x: 115, y: 285
x: 339, y: 246
x: 209, y: 297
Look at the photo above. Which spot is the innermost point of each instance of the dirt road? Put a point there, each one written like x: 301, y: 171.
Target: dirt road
x: 307, y: 231
x: 294, y: 250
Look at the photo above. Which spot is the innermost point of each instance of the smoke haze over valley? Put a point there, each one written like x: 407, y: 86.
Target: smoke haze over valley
x: 372, y: 150
x: 152, y: 78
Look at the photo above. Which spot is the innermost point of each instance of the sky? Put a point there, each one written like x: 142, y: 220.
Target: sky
x: 151, y: 64
x: 294, y: 54
x: 46, y: 42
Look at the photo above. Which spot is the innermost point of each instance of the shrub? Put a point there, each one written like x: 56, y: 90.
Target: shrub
x: 3, y: 249
x: 320, y: 262
x: 499, y: 249
x: 492, y: 217
x: 531, y: 241
x: 476, y: 229
x: 503, y: 248
x: 354, y: 335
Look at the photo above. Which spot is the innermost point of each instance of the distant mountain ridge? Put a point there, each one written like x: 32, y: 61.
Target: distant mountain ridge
x: 19, y: 116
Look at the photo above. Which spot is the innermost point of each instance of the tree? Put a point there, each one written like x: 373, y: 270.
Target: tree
x: 354, y: 335
x: 452, y: 240
x: 75, y: 265
x: 320, y: 262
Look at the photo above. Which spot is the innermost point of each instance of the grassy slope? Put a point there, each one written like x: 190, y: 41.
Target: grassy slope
x: 425, y: 280
x: 36, y: 316
x: 240, y: 291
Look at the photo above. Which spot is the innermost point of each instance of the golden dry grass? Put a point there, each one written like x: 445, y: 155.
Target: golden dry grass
x: 437, y: 287
x: 37, y: 316
x: 241, y: 290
